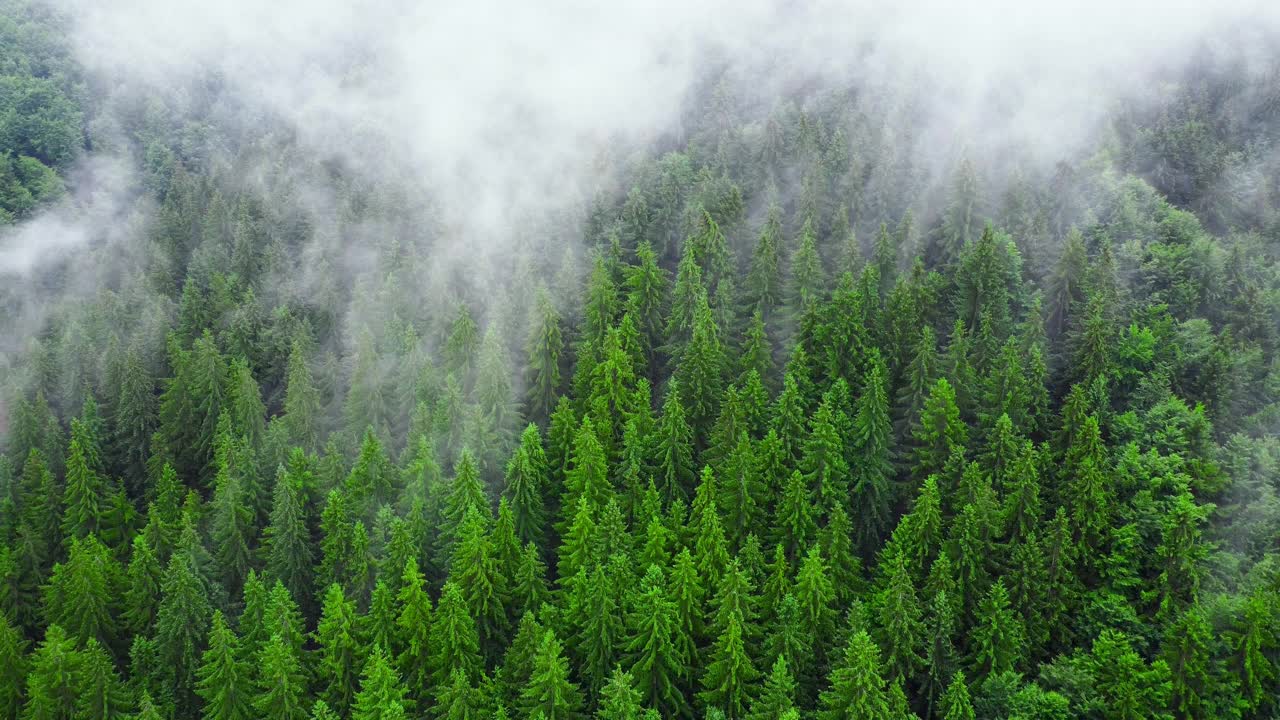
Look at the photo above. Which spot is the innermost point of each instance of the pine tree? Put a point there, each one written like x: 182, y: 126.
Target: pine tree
x: 807, y: 280
x: 475, y: 571
x: 1180, y: 553
x: 939, y: 431
x: 134, y: 420
x: 458, y: 700
x: 302, y: 402
x: 192, y: 403
x: 224, y: 683
x: 80, y: 594
x: 823, y: 461
x: 248, y: 413
x: 872, y: 471
x: 529, y: 586
x: 902, y: 632
x: 1186, y: 650
x: 755, y: 353
x: 815, y: 594
x: 414, y: 623
x: 378, y: 625
x: 700, y: 371
x: 577, y: 551
x: 764, y: 281
x: 1126, y: 686
x: 740, y: 491
x: 232, y: 519
x: 282, y: 617
x: 794, y: 522
x: 588, y: 474
x: 788, y: 419
x: 686, y: 589
x: 646, y: 285
x: 549, y: 693
x: 602, y: 632
x: 466, y: 491
x: 545, y: 347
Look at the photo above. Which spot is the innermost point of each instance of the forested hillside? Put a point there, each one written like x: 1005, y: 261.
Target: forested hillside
x: 798, y: 415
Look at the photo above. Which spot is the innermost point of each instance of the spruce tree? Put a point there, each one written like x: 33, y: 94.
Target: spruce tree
x: 655, y: 663
x: 955, y: 701
x: 872, y: 470
x: 224, y: 678
x: 287, y: 539
x: 856, y: 690
x: 619, y: 699
x: 280, y: 685
x: 778, y: 695
x: 339, y: 649
x: 674, y: 448
x: 454, y: 645
x: 13, y: 668
x: 526, y: 483
x: 998, y: 637
x: 382, y: 694
x: 549, y: 692
x: 727, y: 682
x: 101, y: 694
x: 52, y: 691
x: 414, y: 623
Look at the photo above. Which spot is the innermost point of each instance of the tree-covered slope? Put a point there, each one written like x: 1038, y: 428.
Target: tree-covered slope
x: 796, y: 418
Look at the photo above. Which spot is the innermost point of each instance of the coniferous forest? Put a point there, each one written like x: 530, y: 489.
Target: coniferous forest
x: 798, y: 412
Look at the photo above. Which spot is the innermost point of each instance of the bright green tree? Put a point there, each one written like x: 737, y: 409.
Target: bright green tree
x: 224, y: 679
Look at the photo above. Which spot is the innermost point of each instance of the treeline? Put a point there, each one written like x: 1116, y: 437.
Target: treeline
x: 785, y: 437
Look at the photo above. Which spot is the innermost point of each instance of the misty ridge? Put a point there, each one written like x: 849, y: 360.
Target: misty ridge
x: 759, y: 360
